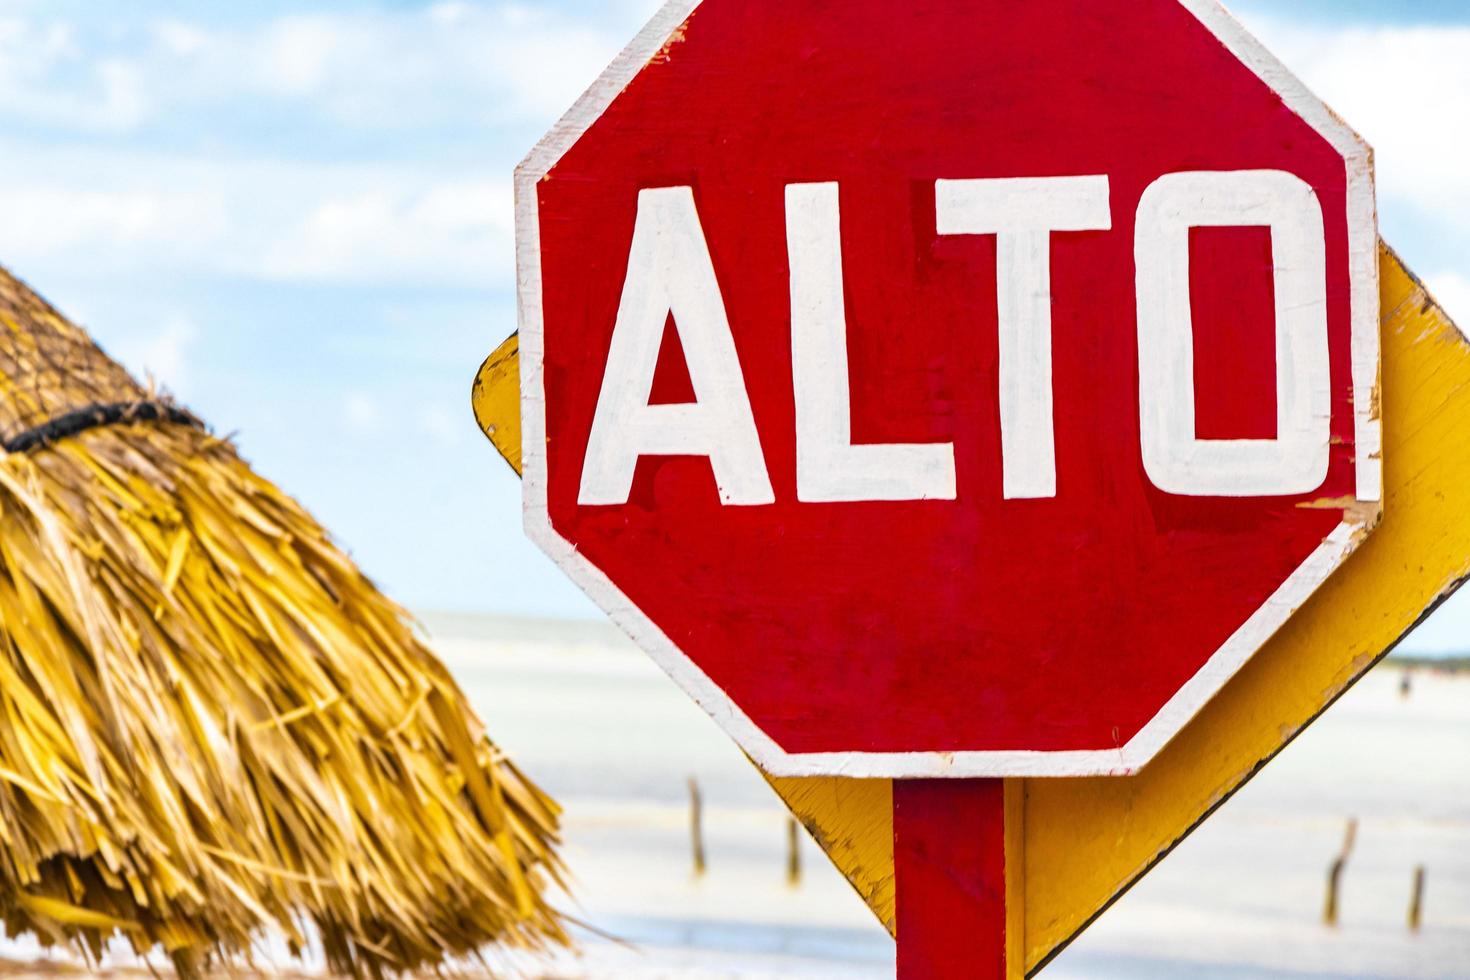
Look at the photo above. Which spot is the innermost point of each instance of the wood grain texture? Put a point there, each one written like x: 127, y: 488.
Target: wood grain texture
x: 496, y: 397
x: 949, y: 855
x: 1015, y: 844
x: 1086, y: 841
x: 1419, y: 555
x: 852, y: 821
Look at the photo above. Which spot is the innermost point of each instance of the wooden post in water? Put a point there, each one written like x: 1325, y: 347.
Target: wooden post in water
x: 793, y: 852
x: 696, y: 826
x: 1334, y: 874
x: 1416, y: 900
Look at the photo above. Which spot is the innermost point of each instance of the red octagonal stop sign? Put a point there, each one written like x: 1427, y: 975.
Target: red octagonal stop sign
x: 946, y: 388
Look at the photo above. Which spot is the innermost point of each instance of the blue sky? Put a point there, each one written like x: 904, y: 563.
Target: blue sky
x: 297, y: 217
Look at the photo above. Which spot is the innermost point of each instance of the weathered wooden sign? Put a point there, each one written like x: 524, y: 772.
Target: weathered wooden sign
x: 943, y: 391
x: 1079, y: 844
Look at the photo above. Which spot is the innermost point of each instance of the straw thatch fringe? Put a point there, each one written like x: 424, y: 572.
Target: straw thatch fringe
x: 211, y: 722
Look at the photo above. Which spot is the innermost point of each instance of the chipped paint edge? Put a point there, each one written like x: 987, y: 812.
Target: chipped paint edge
x: 665, y: 27
x: 1362, y: 215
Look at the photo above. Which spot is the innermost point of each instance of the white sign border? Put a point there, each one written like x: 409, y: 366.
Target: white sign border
x: 1187, y: 702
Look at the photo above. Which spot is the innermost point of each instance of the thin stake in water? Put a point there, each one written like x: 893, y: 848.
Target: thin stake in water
x: 1416, y: 900
x: 793, y: 852
x: 696, y: 826
x: 1334, y: 874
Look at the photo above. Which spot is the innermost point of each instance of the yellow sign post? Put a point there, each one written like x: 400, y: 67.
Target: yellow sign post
x: 1084, y: 842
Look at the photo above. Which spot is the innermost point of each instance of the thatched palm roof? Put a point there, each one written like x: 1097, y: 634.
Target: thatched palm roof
x: 211, y: 722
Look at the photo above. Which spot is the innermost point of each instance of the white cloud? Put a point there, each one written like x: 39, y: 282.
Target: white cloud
x: 639, y: 11
x: 75, y: 202
x: 1404, y: 88
x: 450, y: 13
x: 162, y: 355
x: 415, y: 221
x: 391, y: 71
x: 384, y: 70
x: 317, y: 222
x: 1452, y: 291
x: 442, y: 425
x: 360, y: 413
x: 123, y: 104
x: 458, y: 231
x: 42, y: 220
x: 179, y: 39
x: 298, y: 54
x: 46, y: 75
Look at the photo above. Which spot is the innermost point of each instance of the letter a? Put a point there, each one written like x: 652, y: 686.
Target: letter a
x: 670, y: 272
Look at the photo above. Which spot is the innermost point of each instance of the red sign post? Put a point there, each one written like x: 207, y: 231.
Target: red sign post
x: 949, y: 391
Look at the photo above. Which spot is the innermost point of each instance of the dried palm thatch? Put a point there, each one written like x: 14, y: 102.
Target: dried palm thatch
x: 210, y: 722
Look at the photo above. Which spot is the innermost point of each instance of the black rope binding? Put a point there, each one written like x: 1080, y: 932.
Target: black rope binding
x: 95, y: 417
